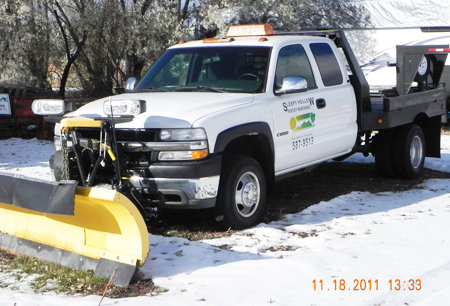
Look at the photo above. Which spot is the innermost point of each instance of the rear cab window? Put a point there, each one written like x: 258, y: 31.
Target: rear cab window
x: 329, y: 68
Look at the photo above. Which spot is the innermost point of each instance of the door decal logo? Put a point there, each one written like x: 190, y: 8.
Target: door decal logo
x: 302, y: 122
x: 298, y: 105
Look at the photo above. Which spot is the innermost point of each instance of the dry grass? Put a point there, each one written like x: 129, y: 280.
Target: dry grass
x: 53, y: 277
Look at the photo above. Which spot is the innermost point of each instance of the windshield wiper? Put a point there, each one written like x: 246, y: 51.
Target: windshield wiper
x: 201, y: 89
x: 152, y: 89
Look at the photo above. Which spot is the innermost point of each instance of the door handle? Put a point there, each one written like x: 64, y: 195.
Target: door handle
x: 321, y: 103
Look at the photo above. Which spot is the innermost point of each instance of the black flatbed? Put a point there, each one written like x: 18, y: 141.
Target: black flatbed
x: 389, y: 112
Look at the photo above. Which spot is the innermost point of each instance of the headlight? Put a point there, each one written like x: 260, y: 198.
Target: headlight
x: 183, y: 134
x: 123, y: 107
x: 183, y: 144
x: 50, y: 107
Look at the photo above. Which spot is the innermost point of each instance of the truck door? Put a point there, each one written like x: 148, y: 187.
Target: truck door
x: 335, y: 102
x: 309, y: 125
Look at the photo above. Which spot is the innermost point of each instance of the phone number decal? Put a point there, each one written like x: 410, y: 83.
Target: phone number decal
x: 367, y: 285
x: 303, y: 142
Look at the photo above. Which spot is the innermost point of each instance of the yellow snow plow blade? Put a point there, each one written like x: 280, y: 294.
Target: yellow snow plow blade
x: 106, y: 233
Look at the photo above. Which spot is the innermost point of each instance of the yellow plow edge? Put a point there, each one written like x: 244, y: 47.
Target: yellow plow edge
x: 106, y: 233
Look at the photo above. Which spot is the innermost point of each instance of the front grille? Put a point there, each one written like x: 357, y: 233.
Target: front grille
x: 133, y: 160
x: 136, y: 159
x: 131, y: 135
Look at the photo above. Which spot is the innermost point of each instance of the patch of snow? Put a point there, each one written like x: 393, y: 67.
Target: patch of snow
x: 376, y: 237
x: 27, y: 157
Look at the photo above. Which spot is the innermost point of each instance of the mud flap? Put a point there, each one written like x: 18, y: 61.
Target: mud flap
x: 105, y: 233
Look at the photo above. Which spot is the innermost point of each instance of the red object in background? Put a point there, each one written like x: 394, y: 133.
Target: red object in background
x: 22, y: 122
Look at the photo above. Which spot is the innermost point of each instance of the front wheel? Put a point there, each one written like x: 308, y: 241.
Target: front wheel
x: 242, y: 193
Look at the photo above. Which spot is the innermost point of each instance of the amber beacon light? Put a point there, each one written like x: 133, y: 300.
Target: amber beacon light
x: 250, y: 30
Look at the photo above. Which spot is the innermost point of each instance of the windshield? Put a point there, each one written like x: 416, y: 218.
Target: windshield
x: 215, y: 69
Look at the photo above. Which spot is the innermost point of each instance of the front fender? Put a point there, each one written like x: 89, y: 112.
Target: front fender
x: 248, y: 129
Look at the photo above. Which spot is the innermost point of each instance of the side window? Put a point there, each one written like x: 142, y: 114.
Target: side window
x: 292, y: 60
x: 328, y: 65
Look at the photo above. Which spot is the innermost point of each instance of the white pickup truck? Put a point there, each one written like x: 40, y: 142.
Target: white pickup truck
x: 215, y: 122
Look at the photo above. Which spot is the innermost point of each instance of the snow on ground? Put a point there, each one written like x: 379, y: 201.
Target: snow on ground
x: 359, y: 238
x: 26, y: 157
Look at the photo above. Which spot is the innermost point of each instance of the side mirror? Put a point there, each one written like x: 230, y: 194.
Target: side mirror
x: 292, y: 84
x: 131, y: 83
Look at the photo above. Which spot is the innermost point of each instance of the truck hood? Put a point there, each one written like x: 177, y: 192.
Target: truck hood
x: 169, y: 109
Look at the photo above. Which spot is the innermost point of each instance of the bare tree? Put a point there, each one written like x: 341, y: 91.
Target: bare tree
x: 73, y: 40
x: 26, y: 38
x: 100, y: 43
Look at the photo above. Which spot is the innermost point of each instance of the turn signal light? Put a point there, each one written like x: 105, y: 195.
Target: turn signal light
x: 199, y: 154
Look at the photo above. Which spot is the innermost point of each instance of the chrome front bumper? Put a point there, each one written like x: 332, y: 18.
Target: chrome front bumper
x: 191, y: 193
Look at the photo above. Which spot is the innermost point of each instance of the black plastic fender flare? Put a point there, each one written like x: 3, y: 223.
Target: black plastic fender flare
x: 250, y: 129
x: 247, y: 129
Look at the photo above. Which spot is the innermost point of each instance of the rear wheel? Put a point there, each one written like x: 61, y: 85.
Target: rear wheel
x: 242, y: 193
x: 409, y: 151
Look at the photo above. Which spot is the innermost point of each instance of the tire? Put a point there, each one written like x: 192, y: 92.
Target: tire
x: 56, y: 164
x: 409, y: 151
x: 65, y: 166
x: 242, y: 193
x: 383, y: 153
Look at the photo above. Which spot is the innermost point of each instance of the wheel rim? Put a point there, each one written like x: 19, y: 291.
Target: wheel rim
x: 416, y: 152
x: 247, y: 194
